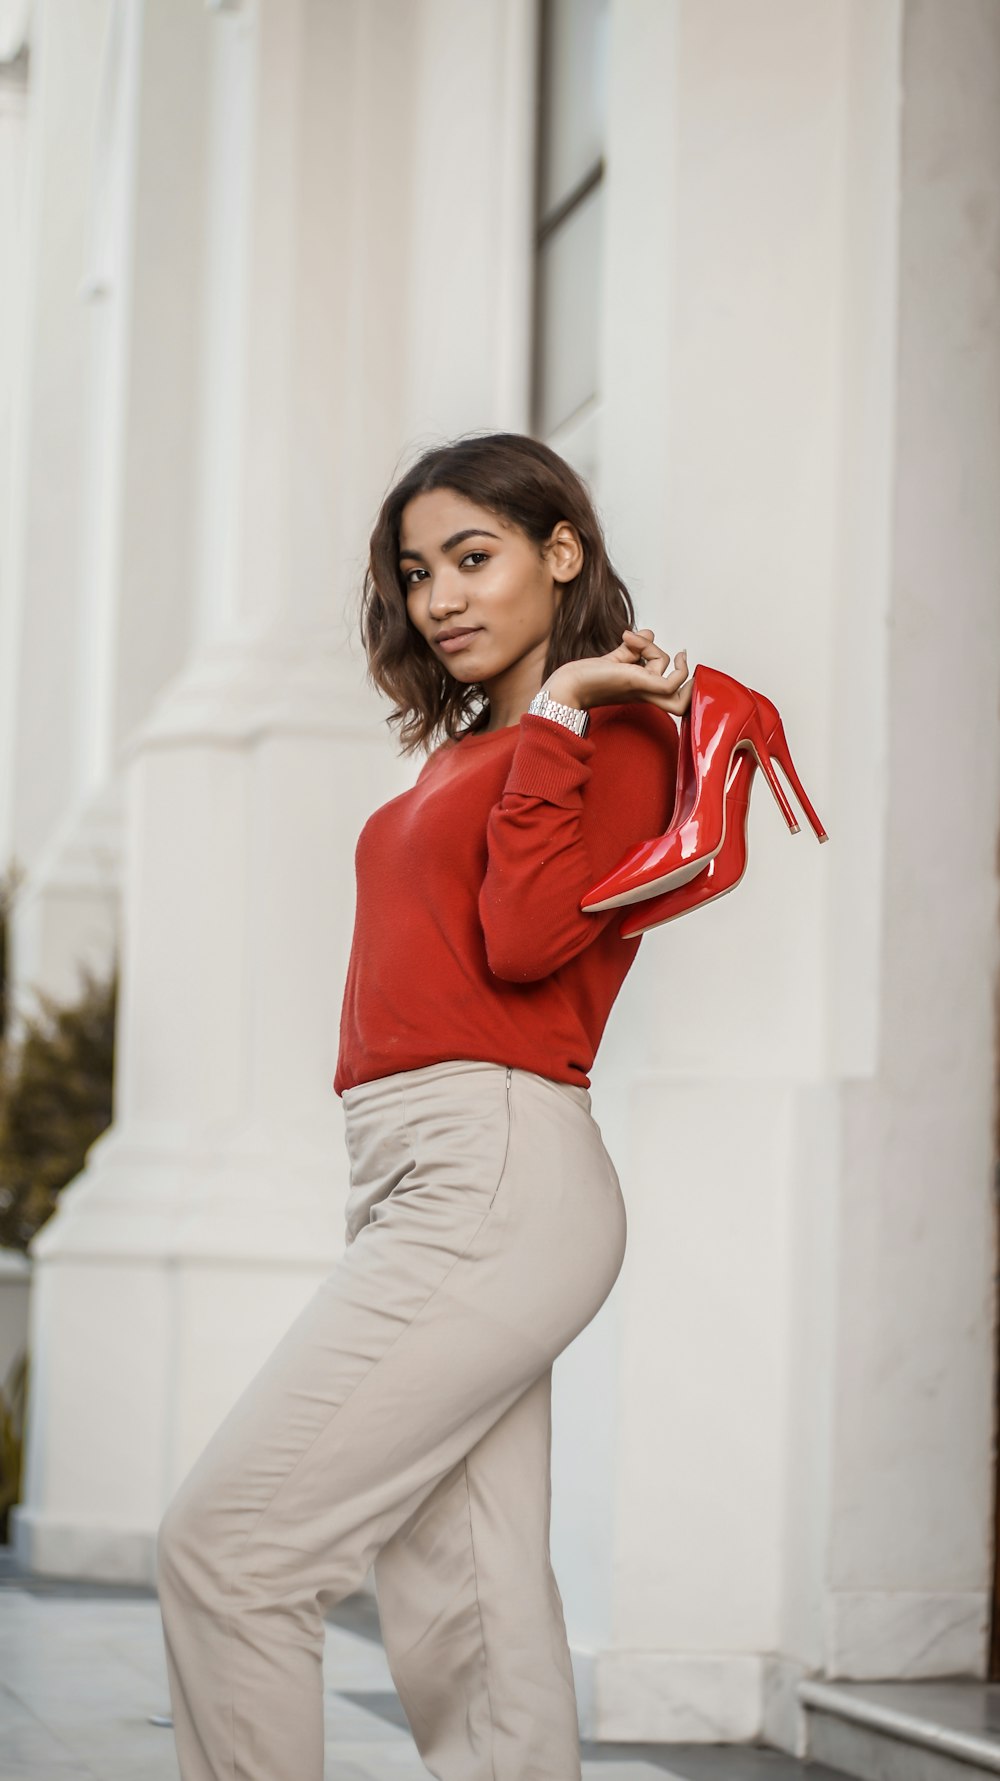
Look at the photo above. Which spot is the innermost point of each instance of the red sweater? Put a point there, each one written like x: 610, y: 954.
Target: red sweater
x: 469, y: 940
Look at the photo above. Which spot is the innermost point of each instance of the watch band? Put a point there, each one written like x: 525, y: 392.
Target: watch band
x: 572, y: 716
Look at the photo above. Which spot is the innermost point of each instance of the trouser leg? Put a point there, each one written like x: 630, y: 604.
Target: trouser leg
x: 499, y: 1235
x: 471, y: 1614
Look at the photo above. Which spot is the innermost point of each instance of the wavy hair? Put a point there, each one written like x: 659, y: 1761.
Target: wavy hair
x: 526, y: 483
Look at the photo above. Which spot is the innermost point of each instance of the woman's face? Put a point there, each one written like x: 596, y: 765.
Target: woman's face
x: 466, y: 569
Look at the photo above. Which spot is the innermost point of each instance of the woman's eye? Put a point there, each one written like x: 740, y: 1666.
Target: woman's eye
x: 469, y: 553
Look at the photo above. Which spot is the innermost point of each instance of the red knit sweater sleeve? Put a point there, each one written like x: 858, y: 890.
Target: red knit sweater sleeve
x: 572, y: 806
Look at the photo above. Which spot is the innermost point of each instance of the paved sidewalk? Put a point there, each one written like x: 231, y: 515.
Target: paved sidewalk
x: 83, y: 1694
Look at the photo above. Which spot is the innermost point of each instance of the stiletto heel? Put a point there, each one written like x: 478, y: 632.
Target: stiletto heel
x: 777, y: 743
x: 724, y: 717
x: 763, y: 724
x: 723, y: 872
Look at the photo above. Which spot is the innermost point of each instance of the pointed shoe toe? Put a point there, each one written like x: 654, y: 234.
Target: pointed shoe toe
x: 723, y: 872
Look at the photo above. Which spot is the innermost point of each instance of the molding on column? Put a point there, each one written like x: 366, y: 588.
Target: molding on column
x: 53, y: 1545
x: 240, y: 689
x: 255, y: 1194
x: 671, y: 1697
x: 895, y: 1634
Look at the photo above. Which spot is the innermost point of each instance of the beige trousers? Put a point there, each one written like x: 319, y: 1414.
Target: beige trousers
x: 403, y: 1420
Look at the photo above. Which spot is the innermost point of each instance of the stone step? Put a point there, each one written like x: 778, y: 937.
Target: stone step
x: 936, y: 1730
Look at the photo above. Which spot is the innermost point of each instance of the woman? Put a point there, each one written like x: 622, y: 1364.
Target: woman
x: 404, y: 1418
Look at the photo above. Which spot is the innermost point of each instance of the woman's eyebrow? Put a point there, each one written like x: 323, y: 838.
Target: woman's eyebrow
x: 449, y: 543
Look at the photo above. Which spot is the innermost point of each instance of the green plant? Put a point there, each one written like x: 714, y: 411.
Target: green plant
x: 56, y: 1083
x: 13, y: 1398
x: 56, y: 1086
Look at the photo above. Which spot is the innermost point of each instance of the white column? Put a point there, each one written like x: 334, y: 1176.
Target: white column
x: 803, y: 1469
x: 250, y: 472
x: 721, y: 422
x: 911, y: 1526
x: 66, y: 907
x: 209, y: 1208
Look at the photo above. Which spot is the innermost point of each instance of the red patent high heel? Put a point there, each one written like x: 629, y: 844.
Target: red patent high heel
x: 724, y: 870
x: 723, y: 718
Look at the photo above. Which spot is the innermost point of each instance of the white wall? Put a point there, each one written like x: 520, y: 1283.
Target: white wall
x: 806, y: 1316
x: 911, y: 1537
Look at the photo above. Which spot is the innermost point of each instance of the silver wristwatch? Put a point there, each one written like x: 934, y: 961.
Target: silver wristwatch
x: 570, y: 715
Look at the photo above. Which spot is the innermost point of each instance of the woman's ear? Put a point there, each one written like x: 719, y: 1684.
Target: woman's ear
x: 564, y: 552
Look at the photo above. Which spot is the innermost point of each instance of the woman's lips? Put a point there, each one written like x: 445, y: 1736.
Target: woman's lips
x: 454, y: 644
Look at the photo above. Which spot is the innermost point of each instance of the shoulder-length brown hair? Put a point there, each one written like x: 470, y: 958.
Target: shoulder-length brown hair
x: 525, y: 482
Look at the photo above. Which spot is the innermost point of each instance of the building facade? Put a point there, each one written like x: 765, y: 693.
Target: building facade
x: 739, y: 264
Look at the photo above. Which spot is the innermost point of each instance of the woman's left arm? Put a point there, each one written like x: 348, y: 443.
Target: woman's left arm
x: 571, y: 808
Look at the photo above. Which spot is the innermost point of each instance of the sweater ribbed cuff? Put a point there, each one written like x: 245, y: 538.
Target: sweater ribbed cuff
x: 550, y: 761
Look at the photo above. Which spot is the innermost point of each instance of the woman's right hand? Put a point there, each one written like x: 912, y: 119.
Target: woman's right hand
x: 620, y: 676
